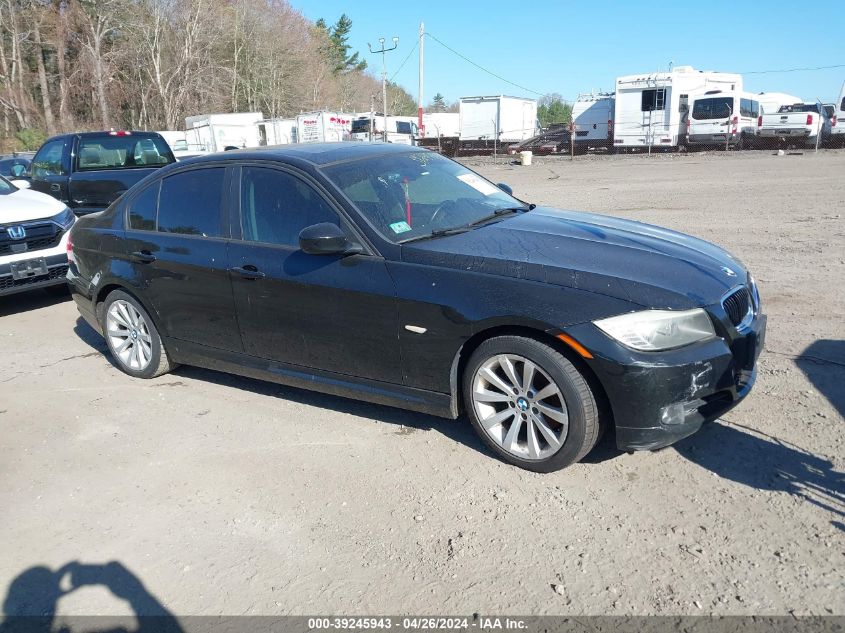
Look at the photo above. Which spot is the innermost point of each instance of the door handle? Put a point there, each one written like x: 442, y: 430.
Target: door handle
x: 55, y: 187
x: 248, y: 272
x: 142, y: 257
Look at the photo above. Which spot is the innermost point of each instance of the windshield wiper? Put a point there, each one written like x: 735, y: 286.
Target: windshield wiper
x: 466, y: 227
x: 436, y: 233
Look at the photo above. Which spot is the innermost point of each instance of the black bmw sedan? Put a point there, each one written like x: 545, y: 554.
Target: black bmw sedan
x: 395, y: 275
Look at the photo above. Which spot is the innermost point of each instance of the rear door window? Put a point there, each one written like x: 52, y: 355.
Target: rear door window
x: 122, y: 152
x: 712, y: 108
x: 190, y: 202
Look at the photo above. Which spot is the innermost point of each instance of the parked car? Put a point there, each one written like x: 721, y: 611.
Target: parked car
x: 796, y: 124
x: 33, y: 239
x: 392, y: 274
x: 90, y: 170
x: 14, y: 167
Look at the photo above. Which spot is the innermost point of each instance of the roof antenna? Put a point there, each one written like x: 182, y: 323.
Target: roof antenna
x: 671, y: 63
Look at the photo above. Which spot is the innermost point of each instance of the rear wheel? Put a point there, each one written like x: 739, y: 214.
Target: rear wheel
x: 530, y: 404
x: 132, y: 337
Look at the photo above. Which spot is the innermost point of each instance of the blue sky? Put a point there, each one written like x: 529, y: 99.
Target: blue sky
x: 529, y: 43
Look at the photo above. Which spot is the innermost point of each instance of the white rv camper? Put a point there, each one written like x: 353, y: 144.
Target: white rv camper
x: 216, y: 132
x: 276, y: 132
x: 771, y: 102
x: 651, y: 108
x: 593, y: 115
x: 323, y: 127
x: 506, y: 119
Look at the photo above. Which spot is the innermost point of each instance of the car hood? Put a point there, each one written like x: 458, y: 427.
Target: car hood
x: 25, y: 205
x: 647, y: 265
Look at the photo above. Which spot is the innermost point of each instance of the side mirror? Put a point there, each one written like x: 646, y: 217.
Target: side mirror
x: 325, y: 239
x: 506, y: 188
x: 21, y: 184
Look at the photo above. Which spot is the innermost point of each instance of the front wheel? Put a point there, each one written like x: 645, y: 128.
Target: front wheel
x: 132, y: 337
x: 530, y: 404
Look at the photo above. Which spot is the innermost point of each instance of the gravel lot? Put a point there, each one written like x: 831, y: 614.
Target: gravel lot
x: 224, y: 495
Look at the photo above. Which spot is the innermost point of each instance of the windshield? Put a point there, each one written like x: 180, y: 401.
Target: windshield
x: 713, y: 108
x: 6, y: 187
x: 412, y: 195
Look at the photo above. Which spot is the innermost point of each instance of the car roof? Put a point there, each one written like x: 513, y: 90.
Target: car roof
x: 320, y: 154
x: 103, y: 134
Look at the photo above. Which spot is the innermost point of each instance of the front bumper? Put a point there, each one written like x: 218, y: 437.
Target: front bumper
x: 658, y: 398
x: 56, y: 271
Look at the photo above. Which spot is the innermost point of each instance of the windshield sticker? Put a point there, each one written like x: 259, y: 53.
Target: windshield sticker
x: 479, y: 184
x: 400, y: 227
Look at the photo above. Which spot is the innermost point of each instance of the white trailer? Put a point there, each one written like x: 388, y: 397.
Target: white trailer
x: 276, y: 132
x: 216, y: 132
x: 436, y: 124
x: 652, y: 108
x: 593, y: 116
x: 323, y: 127
x: 502, y: 118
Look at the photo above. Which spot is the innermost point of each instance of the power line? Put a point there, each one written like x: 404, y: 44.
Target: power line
x: 790, y: 70
x: 480, y: 67
x: 402, y: 65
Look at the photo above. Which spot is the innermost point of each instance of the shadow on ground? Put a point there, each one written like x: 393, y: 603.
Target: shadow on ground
x: 760, y: 461
x: 823, y: 363
x: 31, y: 601
x: 31, y: 300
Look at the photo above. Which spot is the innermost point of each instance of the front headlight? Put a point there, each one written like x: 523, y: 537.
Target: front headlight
x: 655, y: 330
x: 65, y: 219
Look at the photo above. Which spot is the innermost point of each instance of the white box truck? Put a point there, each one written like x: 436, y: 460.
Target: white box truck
x: 216, y: 132
x: 652, y: 108
x: 401, y: 130
x: 501, y: 118
x: 276, y: 132
x: 323, y: 127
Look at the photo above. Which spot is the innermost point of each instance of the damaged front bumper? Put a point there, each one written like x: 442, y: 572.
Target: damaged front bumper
x: 658, y: 398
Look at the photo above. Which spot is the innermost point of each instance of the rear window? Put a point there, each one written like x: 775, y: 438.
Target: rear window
x: 712, y: 108
x: 799, y: 107
x: 653, y: 99
x: 122, y: 152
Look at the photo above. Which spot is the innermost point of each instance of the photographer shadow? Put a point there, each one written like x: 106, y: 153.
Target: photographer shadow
x: 32, y: 598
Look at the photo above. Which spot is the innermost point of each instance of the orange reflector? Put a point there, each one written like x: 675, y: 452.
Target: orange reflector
x: 583, y: 351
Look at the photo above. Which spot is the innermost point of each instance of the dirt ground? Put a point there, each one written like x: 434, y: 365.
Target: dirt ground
x: 222, y: 495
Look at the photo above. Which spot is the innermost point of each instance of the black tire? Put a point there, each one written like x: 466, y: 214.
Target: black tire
x: 159, y: 362
x: 741, y: 144
x: 584, y: 427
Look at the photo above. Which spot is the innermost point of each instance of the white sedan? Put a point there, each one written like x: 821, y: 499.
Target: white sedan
x: 34, y: 231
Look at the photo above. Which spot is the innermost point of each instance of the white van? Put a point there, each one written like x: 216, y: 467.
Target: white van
x: 718, y: 117
x: 837, y: 122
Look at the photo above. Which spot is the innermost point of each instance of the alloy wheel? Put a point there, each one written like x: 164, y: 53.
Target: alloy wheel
x: 520, y: 407
x: 129, y: 336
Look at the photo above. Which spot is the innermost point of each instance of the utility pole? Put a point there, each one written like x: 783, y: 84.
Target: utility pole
x: 384, y: 50
x: 420, y: 104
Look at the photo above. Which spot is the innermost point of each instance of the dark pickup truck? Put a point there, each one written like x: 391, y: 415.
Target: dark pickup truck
x: 90, y: 170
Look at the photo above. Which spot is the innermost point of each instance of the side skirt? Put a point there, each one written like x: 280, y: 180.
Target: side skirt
x: 400, y: 396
